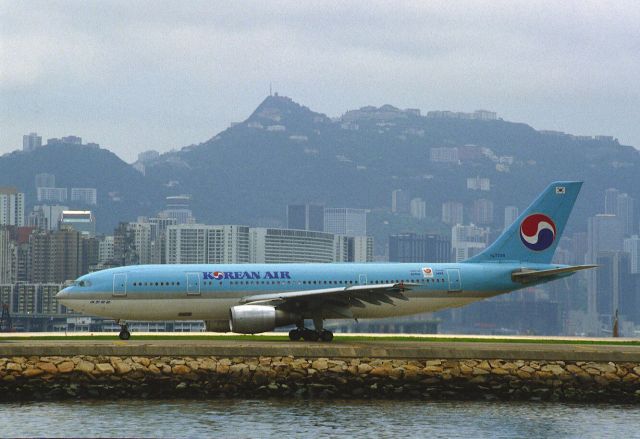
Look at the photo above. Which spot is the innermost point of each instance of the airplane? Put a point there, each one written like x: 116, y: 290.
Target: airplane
x: 255, y: 298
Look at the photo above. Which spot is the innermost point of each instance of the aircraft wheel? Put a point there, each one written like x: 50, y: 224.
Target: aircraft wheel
x: 124, y: 335
x: 326, y: 336
x: 295, y: 335
x: 310, y: 335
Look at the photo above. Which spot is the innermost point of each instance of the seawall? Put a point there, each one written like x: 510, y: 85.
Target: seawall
x: 54, y: 370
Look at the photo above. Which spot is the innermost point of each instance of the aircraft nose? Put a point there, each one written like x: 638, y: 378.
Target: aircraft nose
x: 64, y: 294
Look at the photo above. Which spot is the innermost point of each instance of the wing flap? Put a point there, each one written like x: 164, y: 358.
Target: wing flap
x: 355, y: 295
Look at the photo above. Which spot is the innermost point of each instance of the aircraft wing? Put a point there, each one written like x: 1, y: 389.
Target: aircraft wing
x: 333, y: 301
x: 526, y: 276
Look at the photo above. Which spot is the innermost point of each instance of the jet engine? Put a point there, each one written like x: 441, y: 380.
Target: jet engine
x: 252, y: 319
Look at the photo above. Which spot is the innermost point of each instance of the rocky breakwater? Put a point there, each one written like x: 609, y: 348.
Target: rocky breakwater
x: 47, y: 378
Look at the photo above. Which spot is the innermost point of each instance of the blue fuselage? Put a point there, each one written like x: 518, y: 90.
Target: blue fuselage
x: 206, y: 292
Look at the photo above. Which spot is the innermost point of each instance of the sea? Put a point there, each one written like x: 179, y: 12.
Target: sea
x: 317, y: 418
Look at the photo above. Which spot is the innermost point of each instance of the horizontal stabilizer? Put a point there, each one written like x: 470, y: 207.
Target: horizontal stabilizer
x: 526, y: 276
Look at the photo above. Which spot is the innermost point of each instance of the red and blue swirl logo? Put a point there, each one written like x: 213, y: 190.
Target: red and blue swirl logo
x: 218, y: 275
x: 537, y: 232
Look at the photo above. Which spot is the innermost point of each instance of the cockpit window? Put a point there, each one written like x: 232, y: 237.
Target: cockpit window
x: 82, y: 283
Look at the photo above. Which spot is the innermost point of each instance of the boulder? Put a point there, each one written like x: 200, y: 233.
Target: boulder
x: 17, y: 367
x: 66, y: 367
x: 180, y: 369
x: 105, y: 368
x: 123, y: 368
x: 85, y: 366
x: 47, y: 367
x: 320, y: 364
x: 32, y: 372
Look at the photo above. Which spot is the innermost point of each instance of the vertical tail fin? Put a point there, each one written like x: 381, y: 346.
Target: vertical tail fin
x: 533, y: 237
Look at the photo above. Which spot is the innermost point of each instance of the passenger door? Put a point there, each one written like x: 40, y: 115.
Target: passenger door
x: 455, y: 283
x: 193, y: 284
x: 120, y: 285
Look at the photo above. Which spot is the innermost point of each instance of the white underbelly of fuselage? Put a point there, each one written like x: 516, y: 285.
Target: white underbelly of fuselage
x: 193, y: 308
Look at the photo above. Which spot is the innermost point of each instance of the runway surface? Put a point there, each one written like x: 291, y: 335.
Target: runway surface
x: 442, y: 347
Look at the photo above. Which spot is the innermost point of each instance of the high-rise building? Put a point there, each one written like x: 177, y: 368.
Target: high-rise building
x: 140, y: 234
x: 11, y: 207
x: 510, y: 215
x: 418, y: 208
x: 621, y: 205
x: 611, y: 201
x: 31, y: 142
x: 82, y: 221
x: 615, y: 291
x: 632, y: 246
x: 45, y: 180
x: 353, y: 248
x: 579, y: 247
x: 411, y: 247
x: 272, y: 246
x: 452, y: 213
x: 52, y: 194
x: 56, y: 256
x: 478, y: 184
x: 345, y: 221
x: 46, y: 217
x: 84, y: 195
x: 8, y: 248
x: 605, y: 234
x: 158, y: 233
x: 207, y: 244
x: 482, y: 212
x: 37, y: 219
x: 625, y: 211
x: 467, y: 241
x: 106, y: 252
x: 400, y: 200
x: 305, y: 217
x: 178, y: 208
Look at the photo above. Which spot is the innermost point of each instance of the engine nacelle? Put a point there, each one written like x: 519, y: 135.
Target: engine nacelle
x: 217, y: 325
x: 252, y: 319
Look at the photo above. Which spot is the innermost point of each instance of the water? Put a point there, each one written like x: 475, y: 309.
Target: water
x: 297, y: 418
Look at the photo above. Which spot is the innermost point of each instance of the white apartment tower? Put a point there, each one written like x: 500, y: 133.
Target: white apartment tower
x: 467, y: 241
x: 11, y: 207
x: 205, y: 244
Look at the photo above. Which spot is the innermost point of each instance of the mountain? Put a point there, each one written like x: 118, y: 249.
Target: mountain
x: 285, y: 153
x: 123, y: 193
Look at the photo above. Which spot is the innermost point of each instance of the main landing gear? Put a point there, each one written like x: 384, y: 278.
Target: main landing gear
x: 124, y: 332
x: 317, y: 334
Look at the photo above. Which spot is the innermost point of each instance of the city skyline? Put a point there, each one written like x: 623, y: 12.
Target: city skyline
x: 129, y: 90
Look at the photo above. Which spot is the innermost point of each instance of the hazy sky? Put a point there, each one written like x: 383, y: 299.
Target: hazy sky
x: 137, y: 75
